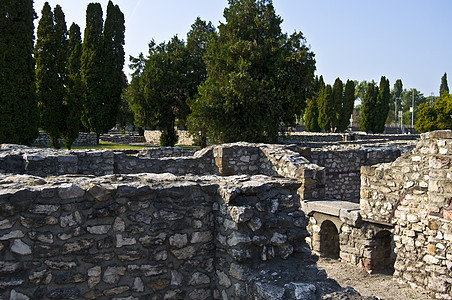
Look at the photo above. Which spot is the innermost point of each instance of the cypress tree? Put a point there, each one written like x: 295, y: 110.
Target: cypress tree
x: 92, y: 70
x: 75, y: 88
x: 348, y: 105
x: 19, y: 117
x: 325, y: 108
x: 382, y: 106
x: 444, y: 87
x: 51, y: 58
x: 311, y: 117
x: 369, y: 102
x: 113, y: 43
x: 337, y: 104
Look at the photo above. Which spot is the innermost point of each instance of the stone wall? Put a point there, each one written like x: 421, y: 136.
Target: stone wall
x: 83, y: 139
x: 152, y: 236
x: 342, y: 168
x: 413, y: 193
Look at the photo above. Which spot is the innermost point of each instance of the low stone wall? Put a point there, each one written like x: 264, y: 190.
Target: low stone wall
x: 414, y: 193
x: 151, y: 236
x: 123, y: 139
x: 342, y: 168
x: 83, y: 139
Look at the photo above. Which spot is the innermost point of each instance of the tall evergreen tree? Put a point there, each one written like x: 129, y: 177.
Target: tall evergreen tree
x: 325, y: 108
x: 75, y: 88
x: 337, y: 103
x: 369, y: 103
x: 382, y: 106
x: 348, y: 105
x: 113, y: 43
x: 444, y: 87
x: 258, y: 76
x: 19, y: 116
x: 92, y: 70
x: 311, y: 117
x: 51, y: 59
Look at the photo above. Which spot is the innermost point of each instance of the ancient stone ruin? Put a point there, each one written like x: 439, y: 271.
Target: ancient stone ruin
x: 233, y: 221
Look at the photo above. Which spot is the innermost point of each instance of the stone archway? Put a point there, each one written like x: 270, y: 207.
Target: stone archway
x: 381, y: 257
x: 329, y: 240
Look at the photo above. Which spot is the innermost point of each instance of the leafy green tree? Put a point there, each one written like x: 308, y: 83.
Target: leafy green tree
x: 325, y: 108
x: 437, y: 116
x: 426, y: 119
x: 311, y: 115
x: 19, y: 117
x: 257, y: 76
x: 92, y: 70
x: 75, y: 91
x: 369, y: 104
x: 160, y: 87
x: 337, y: 103
x: 51, y: 59
x: 113, y: 79
x: 444, y: 87
x: 348, y: 105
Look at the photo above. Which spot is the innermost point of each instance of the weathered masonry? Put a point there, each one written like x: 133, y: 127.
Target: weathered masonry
x: 92, y: 231
x: 226, y: 222
x: 403, y: 221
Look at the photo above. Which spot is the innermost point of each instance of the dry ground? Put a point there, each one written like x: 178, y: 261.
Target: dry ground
x: 377, y: 285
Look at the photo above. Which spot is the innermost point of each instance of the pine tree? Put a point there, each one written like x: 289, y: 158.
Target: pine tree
x: 348, y: 105
x: 75, y: 88
x: 113, y: 43
x: 19, y: 116
x: 337, y: 104
x: 92, y: 70
x: 444, y: 88
x: 258, y: 76
x: 51, y: 58
x: 325, y: 108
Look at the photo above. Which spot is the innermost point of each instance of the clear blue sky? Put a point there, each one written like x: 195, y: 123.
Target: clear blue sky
x: 352, y: 39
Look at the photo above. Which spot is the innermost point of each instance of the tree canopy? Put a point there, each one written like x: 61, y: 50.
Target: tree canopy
x: 257, y: 76
x: 51, y: 61
x: 101, y: 67
x: 19, y: 116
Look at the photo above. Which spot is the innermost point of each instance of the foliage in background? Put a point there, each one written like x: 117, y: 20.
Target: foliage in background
x: 101, y: 69
x: 325, y: 108
x: 75, y: 89
x: 257, y: 76
x: 444, y: 87
x: 375, y: 106
x: 164, y: 81
x: 51, y: 59
x: 437, y: 116
x: 311, y: 116
x: 19, y: 117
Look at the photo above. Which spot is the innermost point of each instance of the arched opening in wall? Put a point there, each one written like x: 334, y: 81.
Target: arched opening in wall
x: 329, y: 240
x: 382, y: 253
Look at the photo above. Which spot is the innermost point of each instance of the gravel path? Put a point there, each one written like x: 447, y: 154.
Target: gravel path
x: 377, y: 285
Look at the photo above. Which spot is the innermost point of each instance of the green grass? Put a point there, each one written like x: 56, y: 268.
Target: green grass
x: 113, y: 146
